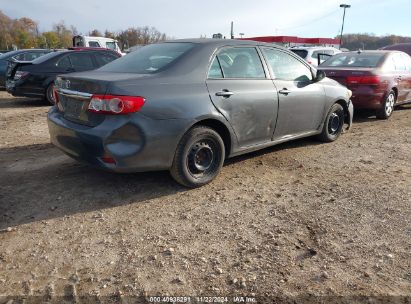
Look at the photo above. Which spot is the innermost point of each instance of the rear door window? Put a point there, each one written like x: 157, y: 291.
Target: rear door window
x: 407, y: 61
x: 240, y: 62
x: 399, y: 62
x: 81, y: 61
x: 215, y: 70
x: 64, y: 63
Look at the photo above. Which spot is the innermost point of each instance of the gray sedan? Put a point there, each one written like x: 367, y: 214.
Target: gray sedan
x: 187, y: 105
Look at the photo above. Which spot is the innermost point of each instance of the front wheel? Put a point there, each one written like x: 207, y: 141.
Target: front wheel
x: 387, y: 107
x: 199, y: 157
x: 333, y: 125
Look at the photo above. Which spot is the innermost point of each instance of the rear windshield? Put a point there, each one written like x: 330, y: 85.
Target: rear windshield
x: 9, y: 54
x: 46, y: 57
x: 354, y: 60
x: 149, y: 59
x: 301, y: 53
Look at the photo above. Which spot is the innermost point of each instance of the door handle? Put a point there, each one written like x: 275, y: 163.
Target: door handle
x: 224, y: 93
x: 284, y: 91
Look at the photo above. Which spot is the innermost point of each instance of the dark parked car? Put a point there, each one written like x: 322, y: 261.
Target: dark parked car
x: 186, y: 105
x: 403, y: 47
x: 36, y: 78
x: 21, y: 55
x: 379, y: 80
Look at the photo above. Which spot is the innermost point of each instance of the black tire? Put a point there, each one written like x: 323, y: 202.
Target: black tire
x: 387, y: 107
x: 198, y: 158
x: 49, y: 94
x: 333, y: 124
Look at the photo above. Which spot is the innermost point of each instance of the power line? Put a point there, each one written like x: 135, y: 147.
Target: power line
x: 312, y: 21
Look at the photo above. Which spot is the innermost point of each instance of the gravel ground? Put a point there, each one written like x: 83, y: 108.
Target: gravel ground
x: 301, y: 221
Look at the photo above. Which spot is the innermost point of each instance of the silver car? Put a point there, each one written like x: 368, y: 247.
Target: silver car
x: 187, y: 105
x: 311, y: 54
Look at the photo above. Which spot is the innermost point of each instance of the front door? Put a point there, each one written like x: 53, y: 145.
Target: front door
x: 301, y: 100
x: 240, y: 90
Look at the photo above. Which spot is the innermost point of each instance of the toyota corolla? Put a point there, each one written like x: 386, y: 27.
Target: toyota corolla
x: 187, y: 105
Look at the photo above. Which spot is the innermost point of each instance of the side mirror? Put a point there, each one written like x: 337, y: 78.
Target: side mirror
x: 319, y: 76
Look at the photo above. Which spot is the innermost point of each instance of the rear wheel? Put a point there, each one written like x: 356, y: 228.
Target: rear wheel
x: 199, y: 157
x: 333, y: 124
x: 50, y: 95
x: 388, y: 106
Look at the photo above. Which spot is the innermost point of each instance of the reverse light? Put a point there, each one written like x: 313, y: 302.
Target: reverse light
x: 114, y: 104
x: 370, y: 80
x: 20, y: 74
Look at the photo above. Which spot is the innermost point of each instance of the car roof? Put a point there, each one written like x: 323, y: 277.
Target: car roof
x: 373, y: 52
x: 312, y: 48
x: 224, y: 42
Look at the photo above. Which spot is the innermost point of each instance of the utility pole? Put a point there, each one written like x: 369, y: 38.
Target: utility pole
x: 232, y: 30
x: 344, y: 6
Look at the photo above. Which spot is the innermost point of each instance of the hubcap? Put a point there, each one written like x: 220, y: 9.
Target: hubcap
x: 389, y: 104
x: 334, y: 123
x: 200, y: 158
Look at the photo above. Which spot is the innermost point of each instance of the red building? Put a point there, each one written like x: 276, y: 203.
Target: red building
x: 295, y: 41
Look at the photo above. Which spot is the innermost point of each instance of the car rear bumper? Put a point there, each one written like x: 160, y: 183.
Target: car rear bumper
x: 16, y: 89
x: 367, y: 97
x: 136, y: 143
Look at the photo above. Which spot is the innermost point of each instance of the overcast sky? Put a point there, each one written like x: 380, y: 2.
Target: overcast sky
x: 192, y: 18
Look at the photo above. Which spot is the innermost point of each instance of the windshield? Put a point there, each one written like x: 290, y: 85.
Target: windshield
x: 301, y: 53
x: 361, y: 60
x: 149, y: 59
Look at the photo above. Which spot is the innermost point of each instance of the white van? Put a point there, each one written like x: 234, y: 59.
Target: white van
x: 98, y: 42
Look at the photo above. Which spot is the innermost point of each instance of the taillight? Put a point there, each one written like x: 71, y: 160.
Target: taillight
x: 370, y: 80
x: 113, y: 104
x: 56, y: 95
x: 20, y: 75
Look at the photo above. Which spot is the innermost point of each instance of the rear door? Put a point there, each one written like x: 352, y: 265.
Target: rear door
x: 406, y: 77
x: 400, y: 76
x: 302, y: 102
x: 240, y: 90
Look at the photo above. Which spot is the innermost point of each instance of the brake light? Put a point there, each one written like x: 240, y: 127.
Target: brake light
x: 113, y: 104
x: 56, y: 95
x: 370, y: 80
x: 20, y: 75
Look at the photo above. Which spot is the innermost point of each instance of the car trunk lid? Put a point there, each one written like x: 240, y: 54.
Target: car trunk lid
x: 347, y: 76
x: 76, y: 90
x: 13, y: 66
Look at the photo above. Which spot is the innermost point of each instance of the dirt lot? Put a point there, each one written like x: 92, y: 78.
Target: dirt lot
x: 298, y: 221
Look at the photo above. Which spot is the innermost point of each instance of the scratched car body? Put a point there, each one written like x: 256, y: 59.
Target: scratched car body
x: 187, y: 105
